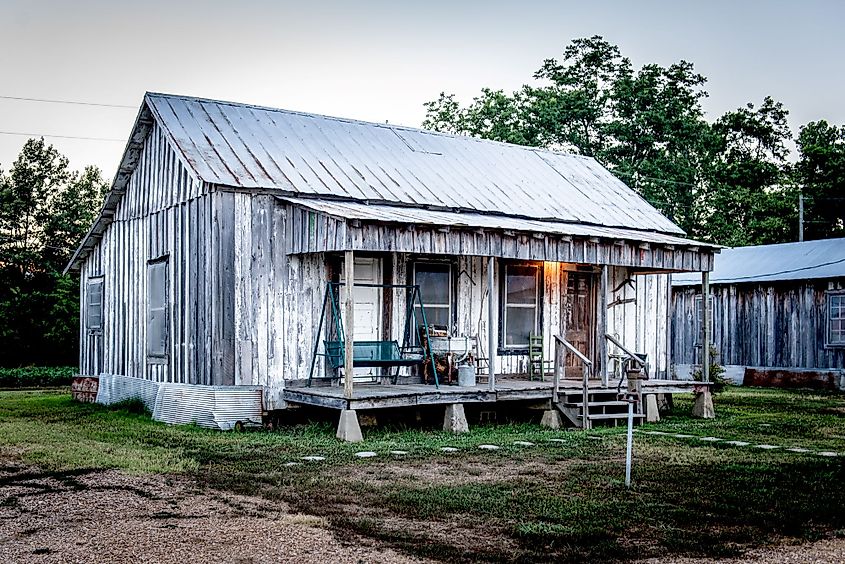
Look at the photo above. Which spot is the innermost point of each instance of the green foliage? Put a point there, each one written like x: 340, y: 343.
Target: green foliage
x: 45, y: 209
x: 36, y: 376
x: 728, y: 182
x: 820, y: 171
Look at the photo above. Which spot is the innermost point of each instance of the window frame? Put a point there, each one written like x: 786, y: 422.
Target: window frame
x: 699, y: 313
x: 100, y: 281
x: 539, y: 277
x: 453, y: 309
x: 828, y: 310
x: 154, y: 355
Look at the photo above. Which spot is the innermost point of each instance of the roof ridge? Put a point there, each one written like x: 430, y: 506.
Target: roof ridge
x: 365, y: 122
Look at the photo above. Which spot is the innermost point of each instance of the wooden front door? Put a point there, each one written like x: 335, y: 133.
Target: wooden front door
x: 367, y: 320
x: 579, y: 313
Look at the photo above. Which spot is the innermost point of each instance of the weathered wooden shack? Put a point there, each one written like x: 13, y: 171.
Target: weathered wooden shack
x: 778, y: 314
x: 208, y: 266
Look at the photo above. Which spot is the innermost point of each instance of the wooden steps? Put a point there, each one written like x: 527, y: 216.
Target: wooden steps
x: 603, y: 408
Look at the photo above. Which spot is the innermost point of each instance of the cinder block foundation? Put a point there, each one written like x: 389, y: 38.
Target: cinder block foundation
x: 348, y: 428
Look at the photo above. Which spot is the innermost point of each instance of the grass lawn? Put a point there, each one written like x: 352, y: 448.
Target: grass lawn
x: 555, y: 500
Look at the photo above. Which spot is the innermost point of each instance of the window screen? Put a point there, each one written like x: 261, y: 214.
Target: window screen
x: 521, y: 304
x: 157, y: 307
x: 435, y: 282
x: 94, y: 308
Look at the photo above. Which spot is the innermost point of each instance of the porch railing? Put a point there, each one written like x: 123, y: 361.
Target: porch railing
x: 561, y: 346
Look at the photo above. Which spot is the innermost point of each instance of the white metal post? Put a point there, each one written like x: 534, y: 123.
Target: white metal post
x: 491, y: 324
x: 630, y: 446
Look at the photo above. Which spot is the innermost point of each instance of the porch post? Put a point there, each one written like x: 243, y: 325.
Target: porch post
x: 705, y: 319
x: 602, y: 326
x: 348, y: 322
x: 491, y: 324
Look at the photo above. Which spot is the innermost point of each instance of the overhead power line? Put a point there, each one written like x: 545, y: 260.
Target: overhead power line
x: 21, y: 134
x: 74, y: 102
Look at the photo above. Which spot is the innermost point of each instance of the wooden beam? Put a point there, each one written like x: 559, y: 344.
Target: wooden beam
x: 705, y: 319
x: 491, y: 324
x: 602, y: 325
x: 348, y: 322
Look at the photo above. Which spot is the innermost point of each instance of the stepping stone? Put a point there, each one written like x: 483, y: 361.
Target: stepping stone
x: 292, y: 464
x: 737, y: 443
x: 449, y: 449
x: 798, y: 449
x: 766, y: 447
x: 682, y: 436
x: 523, y: 443
x: 313, y: 458
x: 365, y: 454
x: 488, y: 447
x: 595, y: 438
x: 765, y: 424
x: 399, y: 452
x: 652, y: 432
x: 710, y: 439
x: 557, y: 440
x: 827, y: 453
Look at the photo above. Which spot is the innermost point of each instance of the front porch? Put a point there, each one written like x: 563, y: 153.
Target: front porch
x: 379, y: 396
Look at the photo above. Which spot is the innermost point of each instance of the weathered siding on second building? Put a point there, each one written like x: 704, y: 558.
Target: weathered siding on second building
x: 778, y: 324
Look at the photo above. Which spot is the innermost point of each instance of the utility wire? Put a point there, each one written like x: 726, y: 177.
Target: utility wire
x: 74, y: 102
x: 62, y: 136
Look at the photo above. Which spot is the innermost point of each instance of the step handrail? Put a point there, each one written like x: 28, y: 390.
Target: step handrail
x: 630, y: 355
x: 560, y: 372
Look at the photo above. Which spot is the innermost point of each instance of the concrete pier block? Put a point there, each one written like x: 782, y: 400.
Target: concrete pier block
x: 348, y: 428
x: 551, y: 419
x: 652, y: 412
x: 703, y: 407
x: 455, y: 420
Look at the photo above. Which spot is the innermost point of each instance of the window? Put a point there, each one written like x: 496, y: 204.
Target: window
x: 157, y: 306
x: 435, y: 282
x: 836, y: 319
x: 94, y: 308
x: 521, y: 305
x: 699, y: 317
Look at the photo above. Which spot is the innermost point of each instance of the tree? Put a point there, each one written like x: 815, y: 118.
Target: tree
x: 727, y: 182
x: 820, y: 172
x: 45, y: 209
x: 750, y: 198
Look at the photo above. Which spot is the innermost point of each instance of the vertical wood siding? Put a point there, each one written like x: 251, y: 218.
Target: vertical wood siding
x: 164, y: 211
x: 772, y: 325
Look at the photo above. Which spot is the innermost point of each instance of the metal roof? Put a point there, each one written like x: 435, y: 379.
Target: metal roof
x: 770, y: 263
x: 301, y: 154
x: 420, y: 216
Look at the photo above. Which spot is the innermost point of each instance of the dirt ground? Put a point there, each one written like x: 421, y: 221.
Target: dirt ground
x: 109, y: 516
x: 114, y: 517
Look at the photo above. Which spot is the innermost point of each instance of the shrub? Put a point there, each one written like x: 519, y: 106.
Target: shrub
x: 37, y: 376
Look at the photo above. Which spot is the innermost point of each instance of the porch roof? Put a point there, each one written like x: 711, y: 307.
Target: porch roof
x: 317, y: 225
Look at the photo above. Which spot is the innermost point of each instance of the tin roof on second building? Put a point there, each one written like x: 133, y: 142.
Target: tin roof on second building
x: 771, y: 263
x: 308, y: 155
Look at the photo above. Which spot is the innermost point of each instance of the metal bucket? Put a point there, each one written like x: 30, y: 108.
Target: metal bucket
x: 466, y: 376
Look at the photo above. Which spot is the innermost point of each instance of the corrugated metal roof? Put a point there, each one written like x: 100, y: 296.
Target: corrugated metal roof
x: 771, y: 263
x: 420, y: 216
x: 303, y: 154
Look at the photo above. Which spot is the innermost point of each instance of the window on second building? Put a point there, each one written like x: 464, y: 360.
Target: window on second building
x: 521, y: 305
x: 157, y: 306
x: 699, y: 317
x: 836, y: 319
x: 435, y: 282
x: 94, y: 307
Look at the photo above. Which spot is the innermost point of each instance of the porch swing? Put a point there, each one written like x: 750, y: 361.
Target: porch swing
x: 376, y: 354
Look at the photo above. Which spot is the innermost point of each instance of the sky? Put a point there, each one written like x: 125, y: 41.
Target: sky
x: 381, y: 60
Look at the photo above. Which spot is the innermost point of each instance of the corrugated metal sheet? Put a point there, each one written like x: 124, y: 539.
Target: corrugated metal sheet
x: 420, y: 216
x: 115, y: 388
x: 770, y: 263
x: 212, y: 407
x: 247, y: 146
